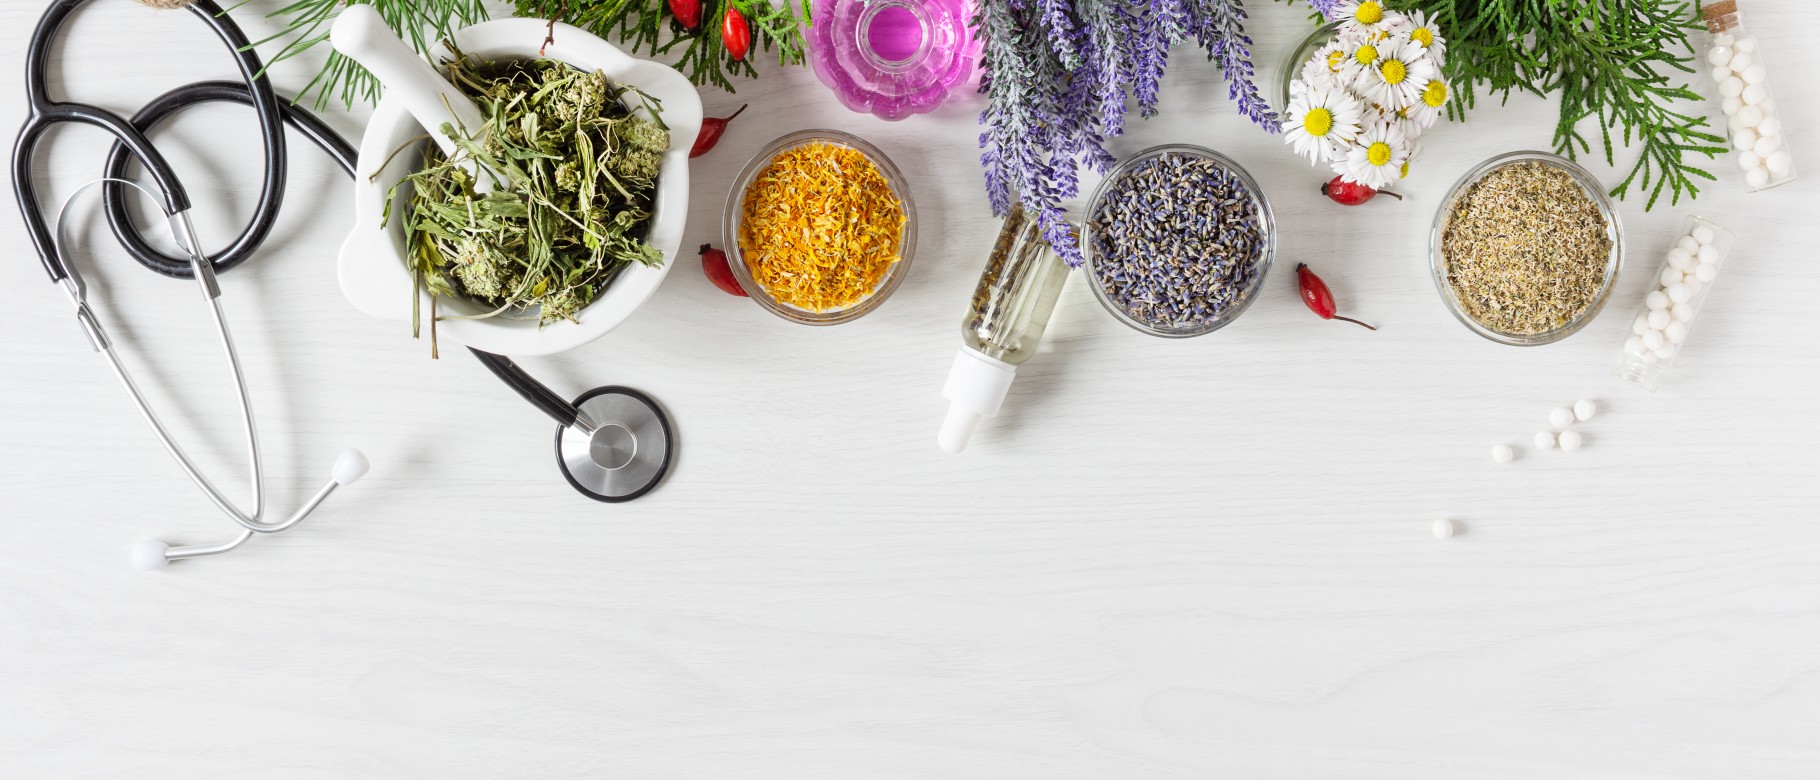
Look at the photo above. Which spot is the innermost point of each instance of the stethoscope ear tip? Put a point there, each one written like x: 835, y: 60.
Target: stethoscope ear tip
x: 350, y: 467
x: 149, y: 554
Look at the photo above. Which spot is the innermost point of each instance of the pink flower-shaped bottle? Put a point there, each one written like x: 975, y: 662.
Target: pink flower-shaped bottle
x: 892, y: 58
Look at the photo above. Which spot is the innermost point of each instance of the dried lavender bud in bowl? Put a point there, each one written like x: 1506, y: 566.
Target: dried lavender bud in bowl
x: 1178, y: 239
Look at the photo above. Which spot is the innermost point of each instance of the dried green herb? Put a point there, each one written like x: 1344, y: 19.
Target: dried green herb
x: 573, y: 171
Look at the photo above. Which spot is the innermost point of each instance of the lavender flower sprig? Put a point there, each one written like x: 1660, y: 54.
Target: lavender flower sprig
x: 1058, y: 75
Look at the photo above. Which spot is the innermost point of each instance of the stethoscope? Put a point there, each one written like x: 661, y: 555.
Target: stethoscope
x: 612, y: 444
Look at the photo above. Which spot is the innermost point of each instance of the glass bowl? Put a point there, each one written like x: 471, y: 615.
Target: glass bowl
x: 1299, y: 55
x: 1267, y: 251
x: 1614, y: 231
x: 893, y: 276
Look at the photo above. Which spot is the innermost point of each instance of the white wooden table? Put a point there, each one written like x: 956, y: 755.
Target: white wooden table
x: 1168, y: 559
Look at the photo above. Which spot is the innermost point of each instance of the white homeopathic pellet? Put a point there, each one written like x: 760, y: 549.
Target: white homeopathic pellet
x: 1545, y: 440
x: 1502, y: 453
x: 1702, y: 234
x: 1584, y: 409
x: 1570, y: 441
x: 1561, y: 416
x: 1443, y: 528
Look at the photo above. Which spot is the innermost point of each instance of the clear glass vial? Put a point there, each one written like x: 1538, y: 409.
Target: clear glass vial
x: 1753, y: 126
x: 1679, y: 289
x: 1004, y: 324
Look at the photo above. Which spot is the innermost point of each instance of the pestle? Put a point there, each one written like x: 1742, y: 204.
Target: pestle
x: 362, y: 36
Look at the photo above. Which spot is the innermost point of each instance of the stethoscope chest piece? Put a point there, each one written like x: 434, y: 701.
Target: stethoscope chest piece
x: 619, y: 448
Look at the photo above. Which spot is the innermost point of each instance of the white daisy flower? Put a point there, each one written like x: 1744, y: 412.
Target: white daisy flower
x: 1361, y: 58
x: 1365, y: 15
x: 1321, y: 71
x: 1320, y: 122
x: 1429, y: 103
x: 1398, y: 74
x: 1426, y: 34
x: 1376, y: 161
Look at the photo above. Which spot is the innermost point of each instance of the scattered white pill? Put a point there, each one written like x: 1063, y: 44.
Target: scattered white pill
x: 1746, y: 45
x: 1719, y: 55
x: 1757, y: 178
x: 1664, y: 352
x: 1708, y: 253
x: 1702, y: 234
x: 1443, y: 528
x: 1749, y: 161
x: 1571, y: 440
x: 1767, y: 145
x: 1584, y: 409
x: 1769, y: 126
x: 1754, y: 95
x: 1749, y: 117
x: 1679, y: 293
x: 1653, y: 339
x: 1545, y: 440
x: 1705, y: 272
x: 1669, y: 276
x: 1679, y: 258
x: 1744, y: 139
x: 1676, y: 332
x: 1740, y: 61
x: 1732, y: 105
x: 1656, y: 299
x: 1682, y: 312
x: 1503, y: 453
x: 1732, y: 86
x: 1634, y: 345
x: 1658, y: 318
x: 1561, y: 416
x: 1779, y: 163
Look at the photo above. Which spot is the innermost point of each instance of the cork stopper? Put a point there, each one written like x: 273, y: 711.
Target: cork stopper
x: 1719, y: 16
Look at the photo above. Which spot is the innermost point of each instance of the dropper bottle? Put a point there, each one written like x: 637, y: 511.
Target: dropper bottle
x: 1010, y: 309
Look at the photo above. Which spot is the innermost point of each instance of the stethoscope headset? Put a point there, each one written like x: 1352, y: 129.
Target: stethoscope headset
x: 612, y: 444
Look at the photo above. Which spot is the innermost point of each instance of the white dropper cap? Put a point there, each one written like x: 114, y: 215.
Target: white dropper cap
x: 976, y: 387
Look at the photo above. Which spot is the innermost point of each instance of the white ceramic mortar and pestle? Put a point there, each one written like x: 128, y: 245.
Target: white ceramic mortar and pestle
x: 374, y: 274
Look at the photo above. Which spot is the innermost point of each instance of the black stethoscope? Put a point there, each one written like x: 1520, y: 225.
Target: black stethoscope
x: 613, y: 444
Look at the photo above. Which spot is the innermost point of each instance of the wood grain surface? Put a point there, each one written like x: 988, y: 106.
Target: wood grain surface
x: 1167, y: 559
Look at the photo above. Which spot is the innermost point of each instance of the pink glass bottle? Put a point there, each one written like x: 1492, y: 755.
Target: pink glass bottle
x: 892, y: 58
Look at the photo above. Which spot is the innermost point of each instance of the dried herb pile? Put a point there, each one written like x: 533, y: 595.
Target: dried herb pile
x: 1525, y: 249
x: 573, y: 173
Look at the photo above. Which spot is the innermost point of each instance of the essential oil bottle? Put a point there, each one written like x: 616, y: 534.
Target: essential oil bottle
x: 1004, y: 323
x: 1739, y: 70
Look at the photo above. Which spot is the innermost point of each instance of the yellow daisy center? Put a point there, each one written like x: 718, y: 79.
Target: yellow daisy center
x: 1378, y: 154
x: 1404, y: 173
x: 1424, y: 36
x: 1318, y: 121
x: 1334, y: 59
x: 1366, y: 54
x: 1369, y: 12
x: 1394, y: 71
x: 1435, y: 94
